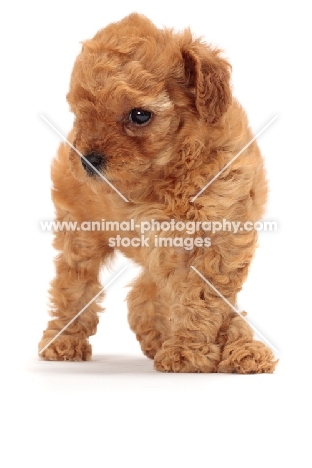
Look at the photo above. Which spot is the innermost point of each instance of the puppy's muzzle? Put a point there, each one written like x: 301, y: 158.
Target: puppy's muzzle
x: 93, y: 161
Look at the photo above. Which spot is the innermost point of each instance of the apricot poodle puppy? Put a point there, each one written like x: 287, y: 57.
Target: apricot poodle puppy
x: 155, y: 117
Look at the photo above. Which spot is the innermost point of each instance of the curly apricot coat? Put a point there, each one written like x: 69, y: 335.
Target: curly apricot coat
x: 194, y: 128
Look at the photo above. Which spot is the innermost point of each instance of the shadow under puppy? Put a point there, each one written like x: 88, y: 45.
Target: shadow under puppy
x: 154, y: 115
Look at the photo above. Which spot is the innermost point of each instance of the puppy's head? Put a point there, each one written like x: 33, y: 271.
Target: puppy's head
x: 139, y: 94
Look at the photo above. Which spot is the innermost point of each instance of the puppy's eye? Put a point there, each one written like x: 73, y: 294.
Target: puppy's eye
x: 139, y: 116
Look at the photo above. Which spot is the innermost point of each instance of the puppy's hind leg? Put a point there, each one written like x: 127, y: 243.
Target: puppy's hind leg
x: 147, y: 315
x: 75, y: 285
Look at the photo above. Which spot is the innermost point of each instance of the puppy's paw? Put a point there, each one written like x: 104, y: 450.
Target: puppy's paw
x: 179, y: 356
x: 65, y: 348
x: 150, y: 342
x: 247, y: 358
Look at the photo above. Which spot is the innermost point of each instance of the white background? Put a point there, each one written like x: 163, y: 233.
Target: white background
x: 117, y: 410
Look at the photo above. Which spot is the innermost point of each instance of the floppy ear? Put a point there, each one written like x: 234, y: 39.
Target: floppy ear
x: 209, y: 76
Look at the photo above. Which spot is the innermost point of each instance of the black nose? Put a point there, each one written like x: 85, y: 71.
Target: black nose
x: 97, y: 161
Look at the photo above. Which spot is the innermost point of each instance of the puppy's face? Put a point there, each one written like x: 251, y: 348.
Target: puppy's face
x: 139, y: 94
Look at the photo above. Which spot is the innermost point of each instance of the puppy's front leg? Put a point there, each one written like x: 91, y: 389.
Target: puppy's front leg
x: 195, y: 321
x: 75, y: 285
x: 206, y: 335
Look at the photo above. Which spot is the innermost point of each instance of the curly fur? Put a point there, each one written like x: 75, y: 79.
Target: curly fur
x: 196, y: 129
